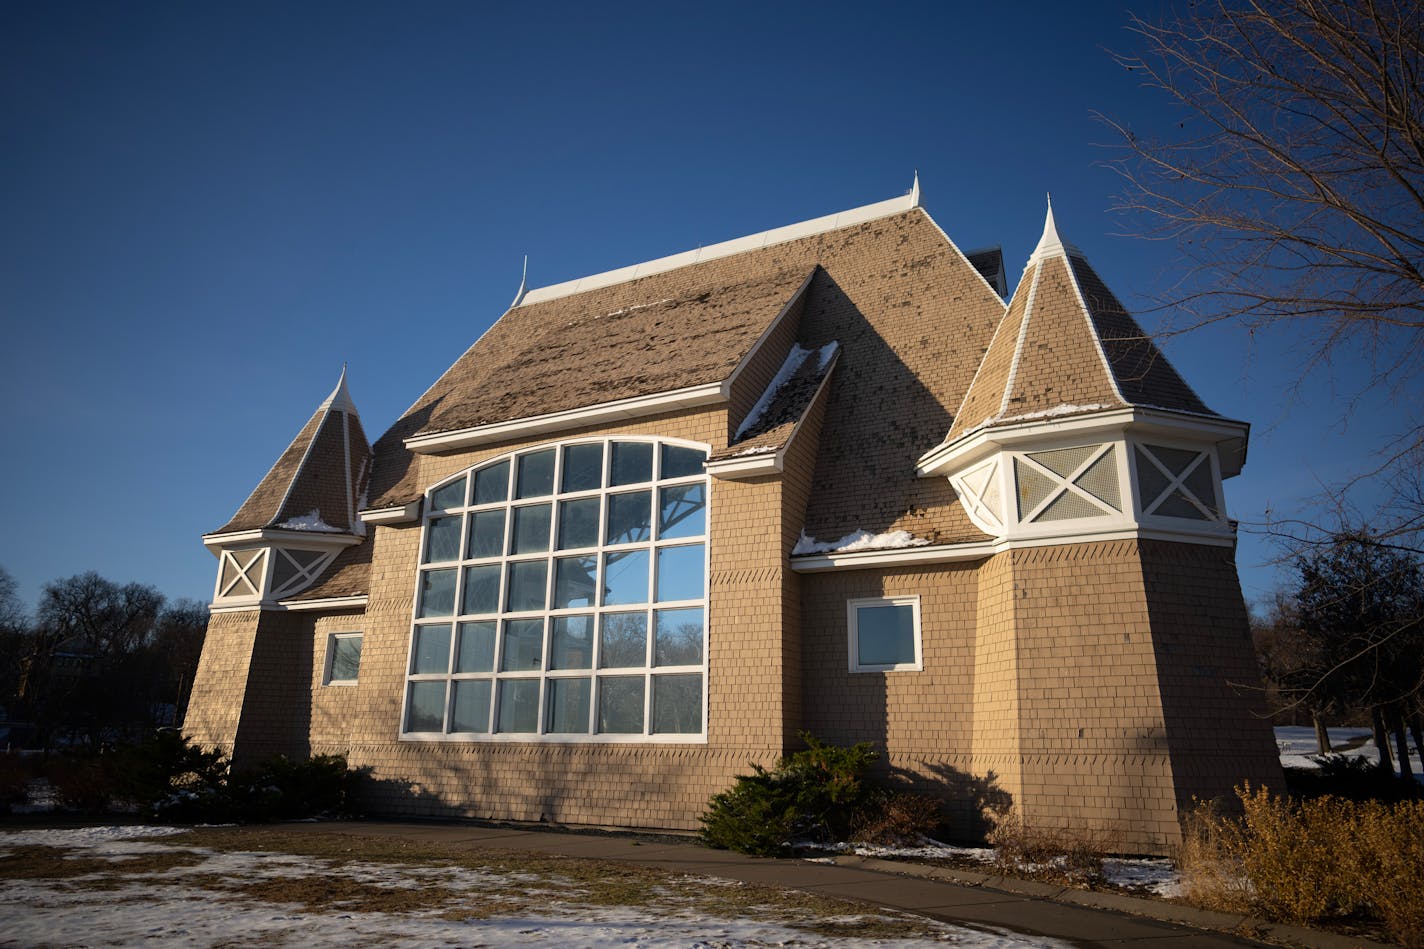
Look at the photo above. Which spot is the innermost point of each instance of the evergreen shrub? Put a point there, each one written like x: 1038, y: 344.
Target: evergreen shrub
x: 169, y: 778
x: 819, y: 795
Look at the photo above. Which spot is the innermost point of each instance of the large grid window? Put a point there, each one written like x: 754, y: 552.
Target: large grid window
x: 563, y: 596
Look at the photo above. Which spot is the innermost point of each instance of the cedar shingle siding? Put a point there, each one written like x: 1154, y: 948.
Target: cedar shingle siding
x: 1083, y: 676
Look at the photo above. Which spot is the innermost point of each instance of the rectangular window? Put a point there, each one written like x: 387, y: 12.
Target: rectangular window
x: 884, y: 634
x: 343, y: 658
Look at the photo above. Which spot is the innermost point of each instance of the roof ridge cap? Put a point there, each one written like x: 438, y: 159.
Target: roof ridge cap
x: 1093, y: 331
x: 1019, y: 343
x: 325, y: 411
x: 728, y: 248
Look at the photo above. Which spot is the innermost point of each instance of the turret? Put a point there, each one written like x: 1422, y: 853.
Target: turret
x: 302, y: 513
x: 1077, y: 428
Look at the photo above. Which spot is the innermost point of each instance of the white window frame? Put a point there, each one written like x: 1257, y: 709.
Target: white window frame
x: 1147, y: 509
x: 649, y: 671
x: 331, y: 641
x: 853, y: 608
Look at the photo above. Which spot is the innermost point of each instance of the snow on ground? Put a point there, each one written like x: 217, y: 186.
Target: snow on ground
x: 1155, y: 875
x: 1298, y: 748
x: 1151, y: 874
x: 169, y: 908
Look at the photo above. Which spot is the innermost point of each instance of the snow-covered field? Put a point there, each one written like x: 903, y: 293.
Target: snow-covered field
x: 1297, y: 745
x: 207, y: 900
x: 181, y: 895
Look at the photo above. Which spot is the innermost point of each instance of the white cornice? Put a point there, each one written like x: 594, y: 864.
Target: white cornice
x: 399, y: 514
x: 267, y: 535
x: 354, y: 602
x: 777, y: 235
x: 619, y: 410
x: 979, y: 550
x: 742, y: 467
x: 894, y: 557
x: 970, y: 447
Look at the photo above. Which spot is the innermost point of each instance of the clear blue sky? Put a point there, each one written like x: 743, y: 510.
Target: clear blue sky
x: 205, y: 209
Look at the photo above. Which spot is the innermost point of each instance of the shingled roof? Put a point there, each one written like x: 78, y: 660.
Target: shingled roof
x: 911, y: 314
x: 319, y: 482
x: 1068, y: 347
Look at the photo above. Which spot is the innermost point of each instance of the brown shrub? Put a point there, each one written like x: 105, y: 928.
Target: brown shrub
x: 1209, y: 861
x: 1389, y: 854
x: 1304, y: 862
x: 1046, y: 852
x: 902, y: 818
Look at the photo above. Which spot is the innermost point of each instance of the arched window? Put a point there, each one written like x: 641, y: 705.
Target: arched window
x: 562, y: 596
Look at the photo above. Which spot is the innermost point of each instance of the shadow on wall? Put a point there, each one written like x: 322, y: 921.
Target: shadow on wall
x: 548, y: 784
x: 972, y: 804
x: 377, y: 796
x: 877, y: 399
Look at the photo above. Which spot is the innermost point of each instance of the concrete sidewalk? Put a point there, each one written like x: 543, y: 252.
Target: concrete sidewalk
x: 1077, y: 916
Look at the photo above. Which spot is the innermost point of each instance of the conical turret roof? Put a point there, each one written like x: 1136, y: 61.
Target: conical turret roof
x: 319, y: 482
x: 1067, y: 346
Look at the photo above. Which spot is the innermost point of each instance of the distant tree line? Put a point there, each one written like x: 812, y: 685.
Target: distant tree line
x: 1346, y: 642
x: 96, y: 663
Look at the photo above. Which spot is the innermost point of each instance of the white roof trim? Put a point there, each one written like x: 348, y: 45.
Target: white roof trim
x: 777, y: 235
x: 1018, y: 343
x: 896, y: 557
x: 741, y: 467
x: 968, y: 448
x: 620, y: 409
x: 266, y: 535
x: 978, y: 550
x: 1093, y: 330
x: 967, y: 262
x: 355, y: 601
x: 399, y: 514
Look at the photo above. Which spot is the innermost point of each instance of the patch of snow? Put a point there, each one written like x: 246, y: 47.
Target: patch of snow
x: 858, y: 540
x: 309, y: 522
x: 163, y: 910
x: 793, y: 362
x: 639, y: 306
x: 757, y: 450
x: 1004, y: 417
x: 1156, y: 876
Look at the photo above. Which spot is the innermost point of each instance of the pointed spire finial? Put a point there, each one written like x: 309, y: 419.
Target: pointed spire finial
x: 340, y: 398
x: 523, y: 284
x: 1050, y: 244
x: 915, y: 190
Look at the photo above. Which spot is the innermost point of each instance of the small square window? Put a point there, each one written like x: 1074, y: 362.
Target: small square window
x: 884, y: 634
x: 343, y: 658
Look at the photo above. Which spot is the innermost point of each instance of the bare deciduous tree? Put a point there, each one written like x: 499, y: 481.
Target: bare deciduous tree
x: 1294, y: 184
